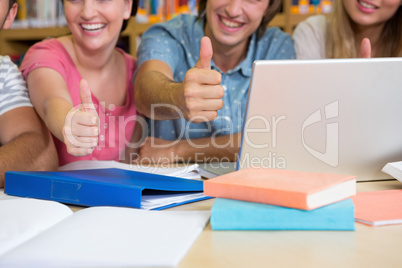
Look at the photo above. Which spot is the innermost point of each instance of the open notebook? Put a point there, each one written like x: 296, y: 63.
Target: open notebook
x: 38, y: 233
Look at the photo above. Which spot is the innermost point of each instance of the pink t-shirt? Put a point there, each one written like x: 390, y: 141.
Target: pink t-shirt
x: 116, y: 122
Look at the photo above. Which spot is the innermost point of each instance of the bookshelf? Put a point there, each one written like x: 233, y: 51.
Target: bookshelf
x: 17, y: 41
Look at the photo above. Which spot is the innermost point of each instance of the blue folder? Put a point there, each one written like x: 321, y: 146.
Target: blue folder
x: 98, y: 187
x: 229, y: 214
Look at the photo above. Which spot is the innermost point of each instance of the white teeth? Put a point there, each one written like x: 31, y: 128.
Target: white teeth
x: 92, y: 27
x: 230, y: 23
x: 366, y: 5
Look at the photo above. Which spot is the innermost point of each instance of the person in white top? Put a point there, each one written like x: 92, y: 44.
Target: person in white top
x: 356, y: 28
x: 25, y: 143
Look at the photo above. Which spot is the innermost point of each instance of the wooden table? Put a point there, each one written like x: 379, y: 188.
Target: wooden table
x: 366, y: 247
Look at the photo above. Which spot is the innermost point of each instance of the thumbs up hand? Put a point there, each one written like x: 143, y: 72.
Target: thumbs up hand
x: 81, y: 126
x: 365, y: 48
x: 201, y: 87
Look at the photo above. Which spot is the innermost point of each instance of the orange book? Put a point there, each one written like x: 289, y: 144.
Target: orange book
x: 378, y: 207
x: 287, y: 188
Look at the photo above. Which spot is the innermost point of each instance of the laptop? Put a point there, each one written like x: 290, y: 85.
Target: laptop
x: 335, y: 115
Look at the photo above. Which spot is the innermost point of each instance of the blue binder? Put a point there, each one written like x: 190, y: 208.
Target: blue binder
x: 98, y: 187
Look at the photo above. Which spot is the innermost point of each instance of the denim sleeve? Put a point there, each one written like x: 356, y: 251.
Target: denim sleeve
x: 282, y: 46
x: 157, y: 43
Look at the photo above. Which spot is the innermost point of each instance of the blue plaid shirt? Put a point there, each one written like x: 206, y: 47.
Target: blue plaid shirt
x: 177, y: 42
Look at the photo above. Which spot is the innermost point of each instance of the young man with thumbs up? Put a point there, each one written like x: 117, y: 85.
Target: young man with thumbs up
x: 194, y: 88
x: 25, y: 143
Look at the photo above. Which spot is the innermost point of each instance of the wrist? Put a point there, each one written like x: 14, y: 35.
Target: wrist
x: 182, y: 151
x: 177, y: 100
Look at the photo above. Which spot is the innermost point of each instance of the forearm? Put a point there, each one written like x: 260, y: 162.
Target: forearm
x: 158, y: 97
x: 211, y: 149
x: 54, y: 116
x: 50, y: 96
x: 137, y: 138
x: 28, y: 151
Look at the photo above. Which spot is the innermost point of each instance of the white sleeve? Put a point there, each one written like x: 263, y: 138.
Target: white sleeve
x: 309, y: 38
x: 13, y: 89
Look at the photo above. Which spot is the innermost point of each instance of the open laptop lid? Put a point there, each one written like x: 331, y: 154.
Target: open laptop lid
x: 337, y: 116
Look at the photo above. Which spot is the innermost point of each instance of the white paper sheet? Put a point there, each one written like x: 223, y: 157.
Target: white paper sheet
x: 4, y: 196
x: 24, y: 218
x: 149, y: 202
x: 394, y: 169
x: 187, y: 172
x: 112, y: 237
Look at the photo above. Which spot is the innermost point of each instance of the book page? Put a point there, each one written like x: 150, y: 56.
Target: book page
x: 394, y: 169
x: 112, y: 237
x: 4, y: 196
x: 214, y: 169
x: 187, y: 172
x: 149, y: 202
x: 23, y: 218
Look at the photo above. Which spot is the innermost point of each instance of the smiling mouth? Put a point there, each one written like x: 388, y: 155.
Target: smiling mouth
x: 367, y: 5
x: 93, y: 27
x: 230, y: 23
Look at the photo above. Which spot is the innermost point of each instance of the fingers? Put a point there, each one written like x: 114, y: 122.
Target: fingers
x: 80, y: 132
x: 204, y: 91
x: 204, y: 62
x: 78, y: 146
x: 205, y: 77
x: 202, y: 110
x: 84, y: 130
x: 81, y: 118
x: 81, y: 126
x: 201, y: 88
x: 203, y: 116
x: 365, y: 48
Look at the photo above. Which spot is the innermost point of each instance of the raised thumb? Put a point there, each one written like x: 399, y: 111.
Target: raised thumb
x: 365, y: 48
x: 204, y: 62
x: 85, y: 96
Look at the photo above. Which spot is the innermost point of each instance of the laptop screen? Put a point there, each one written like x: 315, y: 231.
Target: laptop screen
x: 336, y: 116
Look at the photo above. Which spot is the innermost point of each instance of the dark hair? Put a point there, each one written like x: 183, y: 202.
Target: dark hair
x: 11, y: 3
x: 125, y: 22
x: 273, y: 8
x: 133, y: 13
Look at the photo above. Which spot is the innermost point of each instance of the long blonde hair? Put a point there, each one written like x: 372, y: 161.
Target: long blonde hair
x: 341, y: 35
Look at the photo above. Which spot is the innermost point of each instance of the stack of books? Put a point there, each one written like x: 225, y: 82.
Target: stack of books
x: 276, y: 199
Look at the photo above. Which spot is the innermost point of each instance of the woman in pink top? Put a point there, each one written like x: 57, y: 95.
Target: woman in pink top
x: 81, y: 84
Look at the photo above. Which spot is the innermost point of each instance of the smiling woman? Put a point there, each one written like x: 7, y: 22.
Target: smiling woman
x: 357, y: 28
x: 125, y: 22
x: 81, y: 84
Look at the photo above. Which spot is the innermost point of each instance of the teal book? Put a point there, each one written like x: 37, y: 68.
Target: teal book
x: 229, y: 214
